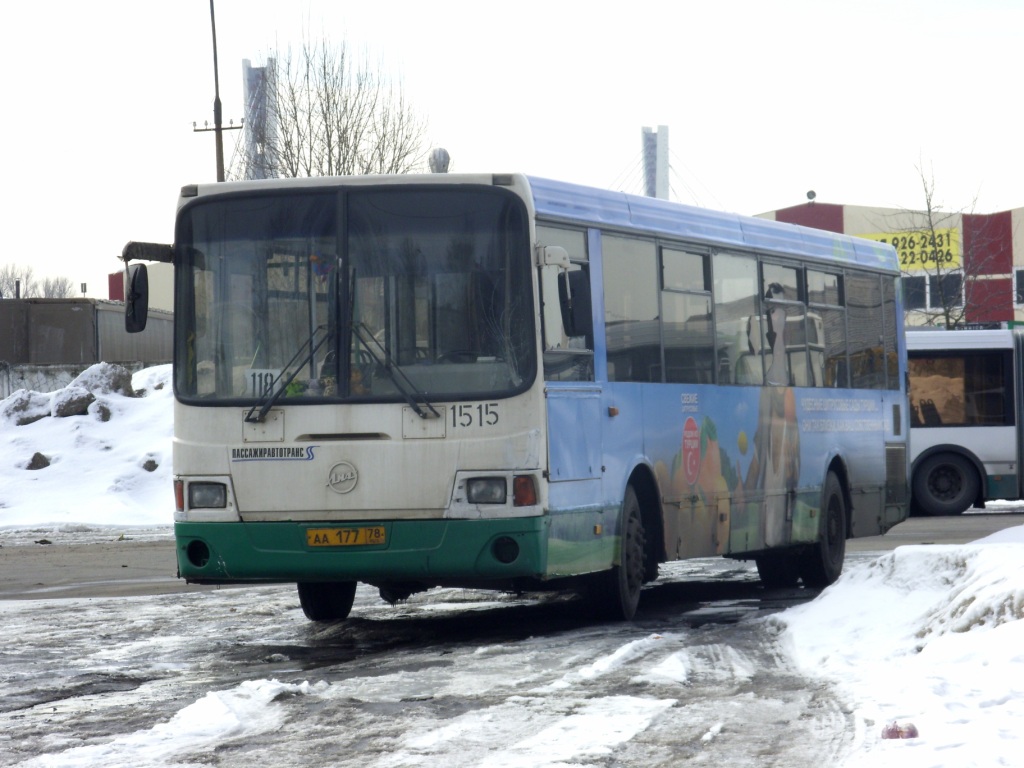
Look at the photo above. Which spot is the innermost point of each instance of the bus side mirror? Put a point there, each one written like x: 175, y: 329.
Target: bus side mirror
x: 136, y: 298
x: 574, y: 302
x: 552, y: 256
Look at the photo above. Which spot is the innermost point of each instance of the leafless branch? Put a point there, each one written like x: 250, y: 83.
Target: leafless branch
x: 335, y: 115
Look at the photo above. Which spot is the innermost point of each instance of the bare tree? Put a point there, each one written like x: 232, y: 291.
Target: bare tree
x: 937, y: 261
x: 58, y: 288
x: 328, y: 114
x: 17, y: 280
x: 945, y: 283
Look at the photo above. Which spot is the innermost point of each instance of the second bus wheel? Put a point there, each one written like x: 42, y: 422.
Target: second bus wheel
x: 327, y: 600
x: 822, y: 563
x: 945, y: 484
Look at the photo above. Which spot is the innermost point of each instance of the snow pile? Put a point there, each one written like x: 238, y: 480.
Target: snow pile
x: 96, y: 452
x: 930, y: 636
x: 249, y: 709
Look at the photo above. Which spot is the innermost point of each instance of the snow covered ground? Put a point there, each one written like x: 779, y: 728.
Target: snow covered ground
x: 925, y: 635
x: 101, y: 473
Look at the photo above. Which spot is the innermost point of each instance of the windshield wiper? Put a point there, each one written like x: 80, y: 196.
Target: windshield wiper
x: 272, y: 395
x: 402, y: 382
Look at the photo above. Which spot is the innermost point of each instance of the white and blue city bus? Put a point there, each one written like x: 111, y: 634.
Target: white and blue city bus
x: 507, y: 382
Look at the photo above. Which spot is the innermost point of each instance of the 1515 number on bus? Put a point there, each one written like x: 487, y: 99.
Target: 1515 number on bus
x: 466, y: 415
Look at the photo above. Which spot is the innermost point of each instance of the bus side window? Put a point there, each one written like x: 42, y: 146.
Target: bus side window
x: 574, y: 303
x: 631, y: 308
x: 865, y: 329
x: 568, y: 328
x: 566, y: 308
x: 737, y: 322
x: 689, y: 348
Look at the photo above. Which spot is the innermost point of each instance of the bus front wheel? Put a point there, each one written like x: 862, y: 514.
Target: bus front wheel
x: 616, y: 593
x: 823, y: 562
x: 945, y: 484
x: 327, y: 600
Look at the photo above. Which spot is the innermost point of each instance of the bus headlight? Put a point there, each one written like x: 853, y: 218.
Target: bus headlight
x: 207, y: 495
x: 486, y: 490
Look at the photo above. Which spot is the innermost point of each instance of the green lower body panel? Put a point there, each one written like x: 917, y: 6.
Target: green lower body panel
x: 429, y: 551
x: 1001, y: 487
x: 582, y: 541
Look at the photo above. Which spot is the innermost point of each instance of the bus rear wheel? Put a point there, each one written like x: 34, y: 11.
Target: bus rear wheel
x: 617, y: 592
x: 945, y: 484
x: 822, y: 563
x: 327, y: 600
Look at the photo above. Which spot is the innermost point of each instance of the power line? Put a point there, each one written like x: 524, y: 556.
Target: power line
x: 630, y: 178
x: 684, y: 184
x: 690, y: 174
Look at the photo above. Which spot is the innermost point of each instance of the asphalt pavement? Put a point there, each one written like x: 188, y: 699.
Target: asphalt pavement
x: 61, y: 566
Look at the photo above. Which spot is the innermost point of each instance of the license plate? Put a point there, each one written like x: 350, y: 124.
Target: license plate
x: 346, y: 537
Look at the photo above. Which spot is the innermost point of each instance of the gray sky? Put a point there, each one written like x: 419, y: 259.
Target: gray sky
x: 763, y: 101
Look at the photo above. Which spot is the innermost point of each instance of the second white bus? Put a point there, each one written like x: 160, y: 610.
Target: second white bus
x: 965, y: 404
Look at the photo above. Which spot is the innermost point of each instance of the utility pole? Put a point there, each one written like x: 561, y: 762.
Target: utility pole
x: 218, y: 127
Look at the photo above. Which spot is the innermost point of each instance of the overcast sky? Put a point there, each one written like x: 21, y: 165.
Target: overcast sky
x: 763, y: 101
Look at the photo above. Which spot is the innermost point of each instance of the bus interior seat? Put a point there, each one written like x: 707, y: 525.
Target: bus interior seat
x: 930, y: 414
x: 915, y: 416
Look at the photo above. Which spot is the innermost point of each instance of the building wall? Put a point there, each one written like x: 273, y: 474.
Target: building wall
x: 818, y: 215
x: 991, y: 247
x: 79, y: 331
x: 161, y: 285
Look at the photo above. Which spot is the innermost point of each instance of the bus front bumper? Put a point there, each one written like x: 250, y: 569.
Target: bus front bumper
x: 428, y: 551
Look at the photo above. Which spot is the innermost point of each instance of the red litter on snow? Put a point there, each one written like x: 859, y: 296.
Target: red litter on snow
x: 896, y: 731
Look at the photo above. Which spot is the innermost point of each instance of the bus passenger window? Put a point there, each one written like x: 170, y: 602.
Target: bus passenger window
x: 632, y: 329
x: 737, y: 320
x: 568, y: 352
x: 786, y: 332
x: 864, y: 321
x: 890, y: 332
x: 825, y: 312
x: 690, y: 356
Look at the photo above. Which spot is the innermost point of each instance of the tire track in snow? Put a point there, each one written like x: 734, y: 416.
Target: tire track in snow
x: 442, y: 680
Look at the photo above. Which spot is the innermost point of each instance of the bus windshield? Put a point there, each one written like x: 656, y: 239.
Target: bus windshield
x: 369, y: 294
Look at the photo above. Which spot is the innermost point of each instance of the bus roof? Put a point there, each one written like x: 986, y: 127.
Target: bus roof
x: 930, y: 339
x: 575, y: 203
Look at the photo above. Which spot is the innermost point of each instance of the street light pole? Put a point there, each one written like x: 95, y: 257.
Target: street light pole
x: 217, y: 123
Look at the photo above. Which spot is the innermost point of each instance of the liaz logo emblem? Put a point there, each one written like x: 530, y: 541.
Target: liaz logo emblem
x: 343, y: 477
